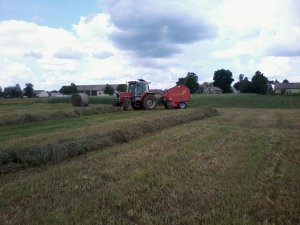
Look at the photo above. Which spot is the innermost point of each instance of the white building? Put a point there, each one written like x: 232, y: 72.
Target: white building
x: 94, y: 90
x: 56, y: 94
x: 41, y: 93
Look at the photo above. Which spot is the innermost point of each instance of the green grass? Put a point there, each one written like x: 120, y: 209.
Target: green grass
x: 217, y: 100
x: 28, y: 113
x: 17, y: 111
x: 152, y: 167
x: 222, y: 170
x: 245, y: 101
x: 93, y: 100
x: 61, y: 139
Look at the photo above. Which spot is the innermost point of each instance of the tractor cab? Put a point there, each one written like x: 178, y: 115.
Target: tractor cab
x: 138, y: 88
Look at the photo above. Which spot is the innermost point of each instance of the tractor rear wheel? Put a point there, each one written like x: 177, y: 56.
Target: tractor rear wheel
x: 149, y: 102
x: 182, y: 105
x: 127, y: 104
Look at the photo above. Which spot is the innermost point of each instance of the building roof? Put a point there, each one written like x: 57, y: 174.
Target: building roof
x: 98, y: 87
x: 38, y: 91
x: 280, y: 86
x: 216, y: 89
x: 213, y: 89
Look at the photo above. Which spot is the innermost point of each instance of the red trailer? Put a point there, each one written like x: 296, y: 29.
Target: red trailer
x: 176, y: 97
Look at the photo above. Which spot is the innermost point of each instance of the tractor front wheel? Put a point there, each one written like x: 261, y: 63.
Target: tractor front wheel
x: 127, y: 104
x: 149, y: 102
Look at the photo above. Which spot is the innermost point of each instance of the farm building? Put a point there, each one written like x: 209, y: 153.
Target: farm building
x: 212, y: 90
x: 41, y: 93
x: 94, y: 90
x: 56, y: 94
x: 287, y: 88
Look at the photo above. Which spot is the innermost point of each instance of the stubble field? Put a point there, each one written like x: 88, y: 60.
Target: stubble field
x: 238, y: 164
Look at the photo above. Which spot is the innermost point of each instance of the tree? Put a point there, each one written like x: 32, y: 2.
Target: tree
x: 285, y: 81
x: 108, y: 90
x: 181, y: 81
x: 241, y: 77
x: 191, y: 81
x: 73, y: 88
x: 223, y: 79
x: 28, y: 90
x: 122, y: 88
x: 69, y: 90
x: 1, y: 92
x: 243, y: 85
x: 260, y: 83
x: 13, y: 92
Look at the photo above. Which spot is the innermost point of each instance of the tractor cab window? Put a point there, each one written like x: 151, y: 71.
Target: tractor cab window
x: 141, y: 88
x: 131, y: 88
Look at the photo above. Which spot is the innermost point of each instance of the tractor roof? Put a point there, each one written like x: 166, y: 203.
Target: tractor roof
x: 139, y: 81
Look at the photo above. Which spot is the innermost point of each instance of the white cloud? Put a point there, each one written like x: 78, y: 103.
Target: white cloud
x: 12, y: 72
x: 103, y: 55
x: 68, y: 53
x: 53, y: 53
x: 250, y: 35
x: 241, y: 48
x: 149, y: 31
x: 275, y: 66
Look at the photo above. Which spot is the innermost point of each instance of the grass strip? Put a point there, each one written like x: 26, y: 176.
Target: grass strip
x: 221, y: 170
x: 34, y: 117
x: 17, y: 157
x: 250, y: 101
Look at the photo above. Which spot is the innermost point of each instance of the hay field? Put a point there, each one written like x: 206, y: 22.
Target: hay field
x: 236, y: 166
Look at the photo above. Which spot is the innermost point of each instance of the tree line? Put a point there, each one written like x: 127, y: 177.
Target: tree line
x: 17, y: 92
x: 223, y: 79
x: 108, y: 89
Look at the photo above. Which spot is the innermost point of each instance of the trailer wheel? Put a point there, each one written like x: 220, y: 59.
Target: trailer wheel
x: 127, y: 104
x: 149, y: 102
x: 182, y: 105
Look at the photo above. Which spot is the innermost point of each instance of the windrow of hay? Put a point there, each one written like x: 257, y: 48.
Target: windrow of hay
x: 34, y: 117
x: 17, y: 157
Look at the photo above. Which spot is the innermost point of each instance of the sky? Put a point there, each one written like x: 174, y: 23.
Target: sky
x: 51, y: 43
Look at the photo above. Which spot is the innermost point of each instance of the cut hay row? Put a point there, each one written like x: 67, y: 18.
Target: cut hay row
x: 34, y: 117
x: 16, y: 157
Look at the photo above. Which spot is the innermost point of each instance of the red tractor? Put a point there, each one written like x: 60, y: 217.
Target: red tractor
x: 137, y: 96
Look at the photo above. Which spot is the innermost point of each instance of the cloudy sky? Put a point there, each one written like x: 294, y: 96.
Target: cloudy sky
x: 51, y: 43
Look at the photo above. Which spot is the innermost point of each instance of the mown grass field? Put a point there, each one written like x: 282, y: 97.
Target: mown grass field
x: 239, y: 166
x: 221, y: 100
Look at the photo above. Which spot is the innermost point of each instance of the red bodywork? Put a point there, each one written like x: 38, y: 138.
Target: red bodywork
x: 176, y: 96
x: 138, y: 96
x: 123, y: 95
